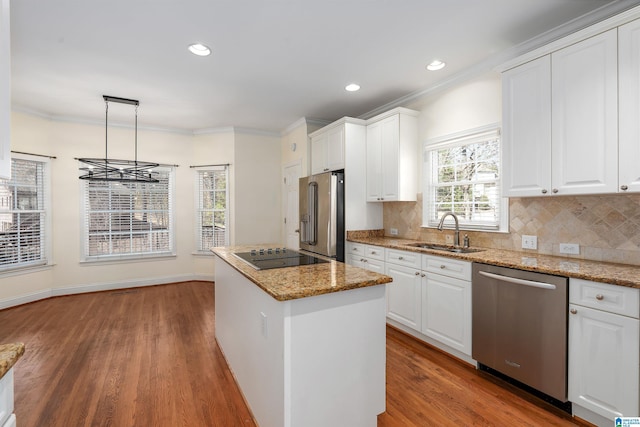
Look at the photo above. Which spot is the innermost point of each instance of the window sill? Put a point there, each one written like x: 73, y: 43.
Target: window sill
x: 105, y: 260
x: 203, y: 253
x: 18, y: 271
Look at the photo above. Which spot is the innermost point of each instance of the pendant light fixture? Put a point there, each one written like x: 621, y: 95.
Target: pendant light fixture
x: 113, y: 169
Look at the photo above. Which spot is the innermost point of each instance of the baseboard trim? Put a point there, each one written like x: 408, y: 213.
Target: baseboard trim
x: 99, y: 287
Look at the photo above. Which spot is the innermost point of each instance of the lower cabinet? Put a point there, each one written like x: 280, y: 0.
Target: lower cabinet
x: 604, y: 349
x: 404, y: 295
x: 7, y: 418
x: 446, y: 311
x: 430, y: 295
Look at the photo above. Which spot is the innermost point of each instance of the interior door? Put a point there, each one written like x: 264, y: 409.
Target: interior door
x: 291, y: 226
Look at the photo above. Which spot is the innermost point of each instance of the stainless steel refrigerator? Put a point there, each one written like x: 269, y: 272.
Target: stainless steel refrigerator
x: 322, y: 214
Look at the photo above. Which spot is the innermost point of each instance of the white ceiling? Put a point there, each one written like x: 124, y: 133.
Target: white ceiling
x: 273, y: 61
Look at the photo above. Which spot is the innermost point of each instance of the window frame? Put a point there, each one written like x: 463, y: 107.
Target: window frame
x: 200, y: 250
x: 46, y: 234
x: 136, y: 256
x: 467, y: 137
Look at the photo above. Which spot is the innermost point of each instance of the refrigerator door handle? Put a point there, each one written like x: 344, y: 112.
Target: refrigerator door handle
x: 312, y: 225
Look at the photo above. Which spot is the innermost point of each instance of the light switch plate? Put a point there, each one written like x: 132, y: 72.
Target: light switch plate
x: 393, y: 231
x: 570, y: 248
x: 529, y: 242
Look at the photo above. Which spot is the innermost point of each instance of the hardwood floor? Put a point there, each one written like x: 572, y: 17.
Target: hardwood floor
x: 147, y: 357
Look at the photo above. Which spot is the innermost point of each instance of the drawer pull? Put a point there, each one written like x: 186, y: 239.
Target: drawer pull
x: 417, y: 273
x: 422, y: 275
x: 400, y: 258
x: 373, y: 252
x: 573, y: 311
x: 599, y: 297
x: 442, y: 266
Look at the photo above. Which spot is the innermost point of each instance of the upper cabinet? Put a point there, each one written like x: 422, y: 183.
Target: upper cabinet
x: 5, y: 91
x: 629, y: 104
x: 560, y: 121
x: 327, y: 150
x: 392, y: 148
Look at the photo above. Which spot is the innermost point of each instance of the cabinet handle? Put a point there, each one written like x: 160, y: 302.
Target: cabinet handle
x: 624, y: 187
x: 364, y: 260
x: 555, y: 190
x: 373, y: 252
x: 417, y: 273
x: 400, y: 258
x: 355, y: 249
x: 422, y: 275
x: 599, y: 297
x: 442, y: 266
x: 544, y: 191
x: 573, y: 311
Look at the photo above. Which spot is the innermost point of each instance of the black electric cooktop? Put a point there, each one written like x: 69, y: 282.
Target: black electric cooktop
x: 265, y: 259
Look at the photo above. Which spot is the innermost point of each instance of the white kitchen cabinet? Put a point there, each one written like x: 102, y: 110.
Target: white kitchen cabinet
x: 562, y: 110
x: 392, y: 160
x: 404, y: 299
x: 327, y: 150
x: 526, y: 129
x: 5, y: 91
x: 6, y: 399
x: 365, y: 256
x: 446, y: 301
x: 629, y: 104
x: 604, y: 347
x: 341, y: 145
x: 584, y: 87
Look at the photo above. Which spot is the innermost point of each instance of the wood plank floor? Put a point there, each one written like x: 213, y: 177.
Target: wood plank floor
x: 147, y: 357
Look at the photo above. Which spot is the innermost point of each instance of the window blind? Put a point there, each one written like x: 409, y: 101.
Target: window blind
x: 212, y: 213
x: 129, y: 219
x: 22, y: 215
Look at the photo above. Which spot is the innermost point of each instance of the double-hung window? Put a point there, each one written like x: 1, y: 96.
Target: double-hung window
x: 24, y: 207
x: 128, y: 220
x: 462, y: 175
x: 212, y: 220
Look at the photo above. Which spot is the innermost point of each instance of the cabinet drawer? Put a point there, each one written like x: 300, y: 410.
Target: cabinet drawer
x: 355, y: 249
x: 602, y: 296
x: 408, y: 259
x: 447, y: 267
x: 374, y: 252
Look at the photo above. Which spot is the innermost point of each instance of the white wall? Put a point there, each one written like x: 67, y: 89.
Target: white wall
x: 254, y: 183
x: 258, y: 196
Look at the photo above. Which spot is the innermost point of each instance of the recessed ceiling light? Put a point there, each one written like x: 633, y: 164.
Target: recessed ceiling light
x: 352, y: 87
x: 436, y: 65
x: 199, y: 49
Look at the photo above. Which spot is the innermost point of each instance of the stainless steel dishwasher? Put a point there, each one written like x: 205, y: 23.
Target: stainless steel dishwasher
x: 520, y: 327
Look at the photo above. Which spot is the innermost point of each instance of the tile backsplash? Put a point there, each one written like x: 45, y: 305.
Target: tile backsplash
x: 606, y: 227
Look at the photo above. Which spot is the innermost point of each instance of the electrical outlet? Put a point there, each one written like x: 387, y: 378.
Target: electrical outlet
x: 570, y: 248
x: 448, y: 239
x: 529, y: 242
x: 263, y: 324
x: 393, y: 231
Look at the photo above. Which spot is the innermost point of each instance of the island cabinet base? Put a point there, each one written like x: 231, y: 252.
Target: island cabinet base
x: 315, y: 361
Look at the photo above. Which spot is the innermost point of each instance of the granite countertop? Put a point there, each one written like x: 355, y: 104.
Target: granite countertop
x: 9, y: 355
x: 291, y: 283
x: 617, y: 274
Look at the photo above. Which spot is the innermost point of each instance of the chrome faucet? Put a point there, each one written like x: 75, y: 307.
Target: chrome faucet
x: 456, y: 235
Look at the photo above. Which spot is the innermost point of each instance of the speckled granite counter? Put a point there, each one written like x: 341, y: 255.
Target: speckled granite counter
x: 290, y: 283
x: 9, y: 355
x: 617, y: 274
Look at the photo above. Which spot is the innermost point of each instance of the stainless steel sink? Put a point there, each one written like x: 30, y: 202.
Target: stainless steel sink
x: 446, y: 248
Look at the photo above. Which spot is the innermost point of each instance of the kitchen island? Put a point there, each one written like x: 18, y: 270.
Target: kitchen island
x: 306, y: 344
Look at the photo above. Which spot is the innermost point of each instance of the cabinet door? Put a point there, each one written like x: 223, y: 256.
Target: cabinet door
x: 603, y: 362
x: 5, y: 91
x: 585, y: 116
x: 335, y: 149
x: 629, y: 75
x: 526, y: 121
x: 390, y: 145
x: 446, y: 311
x: 404, y: 295
x: 374, y: 162
x: 319, y: 161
